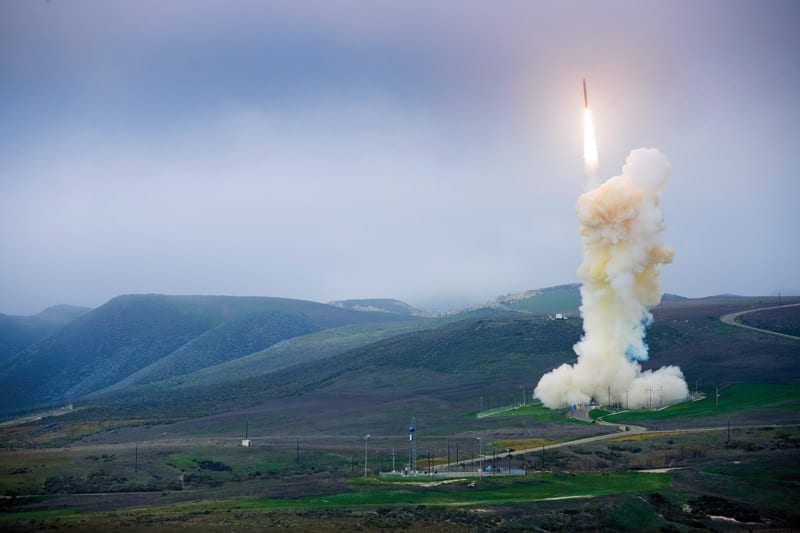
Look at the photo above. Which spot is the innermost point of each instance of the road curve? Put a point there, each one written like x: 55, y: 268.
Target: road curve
x: 730, y: 319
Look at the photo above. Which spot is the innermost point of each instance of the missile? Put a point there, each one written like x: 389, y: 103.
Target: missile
x: 585, y: 97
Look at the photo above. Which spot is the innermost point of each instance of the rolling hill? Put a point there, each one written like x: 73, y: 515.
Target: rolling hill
x: 380, y: 305
x: 551, y: 300
x: 445, y: 368
x: 19, y: 332
x: 130, y: 333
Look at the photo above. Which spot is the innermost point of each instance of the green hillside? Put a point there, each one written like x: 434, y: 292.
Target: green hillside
x: 132, y: 332
x: 444, y: 369
x: 449, y: 367
x: 547, y: 301
x: 295, y: 351
x: 19, y: 332
x: 381, y: 305
x: 229, y: 341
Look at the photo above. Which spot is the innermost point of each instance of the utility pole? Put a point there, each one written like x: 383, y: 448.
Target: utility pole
x: 542, y: 457
x: 366, y: 438
x: 480, y: 454
x: 412, y: 452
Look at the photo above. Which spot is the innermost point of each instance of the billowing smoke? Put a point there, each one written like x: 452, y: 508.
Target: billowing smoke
x: 621, y: 224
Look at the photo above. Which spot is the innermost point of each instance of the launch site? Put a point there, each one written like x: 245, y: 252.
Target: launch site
x: 405, y: 266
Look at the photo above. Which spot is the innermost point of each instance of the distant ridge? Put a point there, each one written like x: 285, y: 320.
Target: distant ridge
x: 564, y: 299
x: 155, y: 337
x: 19, y: 332
x: 559, y: 299
x: 380, y: 305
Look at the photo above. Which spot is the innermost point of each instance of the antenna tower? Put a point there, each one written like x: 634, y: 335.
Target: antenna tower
x: 412, y: 441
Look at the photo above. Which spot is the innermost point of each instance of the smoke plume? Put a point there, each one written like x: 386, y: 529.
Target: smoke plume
x: 621, y: 224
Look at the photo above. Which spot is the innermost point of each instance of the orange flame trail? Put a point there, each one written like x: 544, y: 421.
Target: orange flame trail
x: 590, y: 158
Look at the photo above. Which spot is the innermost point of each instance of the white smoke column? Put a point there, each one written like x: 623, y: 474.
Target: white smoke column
x: 621, y: 225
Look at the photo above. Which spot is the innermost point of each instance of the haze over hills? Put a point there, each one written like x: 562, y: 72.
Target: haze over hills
x: 380, y: 305
x: 130, y: 333
x: 18, y: 332
x: 441, y: 368
x: 180, y: 346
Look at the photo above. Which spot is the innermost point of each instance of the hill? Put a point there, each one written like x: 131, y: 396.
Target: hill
x: 380, y: 305
x: 551, y: 300
x: 445, y: 368
x: 19, y: 332
x: 130, y: 333
x: 559, y: 299
x: 295, y: 351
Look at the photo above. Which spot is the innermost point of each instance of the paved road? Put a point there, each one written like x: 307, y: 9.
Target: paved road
x: 730, y: 319
x: 580, y: 414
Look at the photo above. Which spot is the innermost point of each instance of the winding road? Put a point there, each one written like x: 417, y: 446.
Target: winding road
x: 730, y: 319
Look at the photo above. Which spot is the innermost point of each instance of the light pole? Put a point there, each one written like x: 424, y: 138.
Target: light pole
x: 480, y: 454
x: 366, y: 438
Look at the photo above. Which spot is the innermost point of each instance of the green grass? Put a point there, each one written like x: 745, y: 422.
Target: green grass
x: 594, y: 414
x: 538, y: 411
x: 738, y: 398
x: 38, y: 515
x: 563, y: 299
x: 493, y: 491
x: 772, y: 485
x: 181, y: 461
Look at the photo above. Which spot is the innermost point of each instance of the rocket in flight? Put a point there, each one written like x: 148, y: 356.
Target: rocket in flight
x: 585, y: 96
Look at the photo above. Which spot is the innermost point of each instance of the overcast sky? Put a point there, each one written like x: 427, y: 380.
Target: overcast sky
x: 427, y: 151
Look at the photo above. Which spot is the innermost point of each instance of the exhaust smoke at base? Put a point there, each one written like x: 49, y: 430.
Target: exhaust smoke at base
x: 621, y: 222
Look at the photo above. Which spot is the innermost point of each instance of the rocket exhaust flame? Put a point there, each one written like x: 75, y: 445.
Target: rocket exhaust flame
x: 621, y: 224
x: 590, y: 158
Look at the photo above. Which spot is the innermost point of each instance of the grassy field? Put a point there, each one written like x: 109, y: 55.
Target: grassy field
x: 735, y: 399
x: 491, y: 491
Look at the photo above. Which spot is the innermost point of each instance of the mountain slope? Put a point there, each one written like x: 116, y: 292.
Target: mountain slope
x: 132, y: 332
x: 380, y: 305
x: 19, y: 332
x: 294, y: 351
x: 231, y: 340
x: 550, y: 300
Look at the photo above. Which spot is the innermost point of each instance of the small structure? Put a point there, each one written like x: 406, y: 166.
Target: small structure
x: 246, y: 440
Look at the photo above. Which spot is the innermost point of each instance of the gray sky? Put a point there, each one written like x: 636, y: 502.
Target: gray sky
x: 428, y: 151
